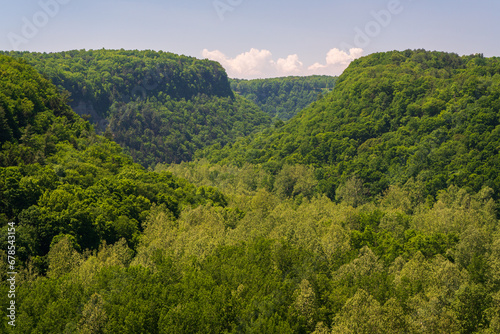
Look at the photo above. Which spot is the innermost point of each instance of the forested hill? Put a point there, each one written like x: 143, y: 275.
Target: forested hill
x: 393, y: 116
x: 33, y: 115
x: 98, y: 78
x: 59, y: 179
x: 159, y: 106
x: 283, y: 98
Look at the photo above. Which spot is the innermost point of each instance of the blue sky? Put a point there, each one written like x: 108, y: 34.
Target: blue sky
x: 255, y: 38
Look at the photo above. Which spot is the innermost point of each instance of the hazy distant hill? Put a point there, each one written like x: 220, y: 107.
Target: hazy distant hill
x: 283, y: 98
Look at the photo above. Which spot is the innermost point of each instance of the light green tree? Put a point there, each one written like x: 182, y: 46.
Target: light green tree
x: 94, y: 316
x: 352, y: 192
x: 63, y: 257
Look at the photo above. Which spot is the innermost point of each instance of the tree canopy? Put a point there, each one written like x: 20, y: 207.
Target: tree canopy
x: 57, y: 177
x: 393, y: 116
x: 160, y: 107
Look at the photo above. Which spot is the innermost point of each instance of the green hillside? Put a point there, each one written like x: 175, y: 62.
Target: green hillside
x: 283, y: 98
x: 393, y: 117
x: 98, y: 78
x: 160, y: 107
x: 252, y: 243
x: 57, y: 177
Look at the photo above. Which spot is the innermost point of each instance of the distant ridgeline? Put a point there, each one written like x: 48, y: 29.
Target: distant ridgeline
x: 283, y: 98
x: 160, y: 106
x: 428, y: 116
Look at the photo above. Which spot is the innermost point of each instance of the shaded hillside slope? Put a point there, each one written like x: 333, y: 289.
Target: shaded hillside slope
x: 159, y: 106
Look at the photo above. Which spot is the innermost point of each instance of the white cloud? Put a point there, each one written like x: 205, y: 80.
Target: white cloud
x: 336, y: 56
x: 260, y: 63
x: 336, y: 61
x: 291, y: 64
x: 256, y: 64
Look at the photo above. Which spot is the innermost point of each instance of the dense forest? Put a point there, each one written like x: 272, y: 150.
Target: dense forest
x: 283, y: 98
x: 160, y: 107
x: 374, y: 210
x: 393, y: 117
x: 101, y: 77
x: 59, y: 178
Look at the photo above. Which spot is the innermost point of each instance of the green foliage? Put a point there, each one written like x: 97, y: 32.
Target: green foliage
x: 98, y: 78
x: 393, y: 116
x: 269, y: 272
x: 159, y: 106
x: 84, y: 187
x: 172, y: 131
x: 33, y: 115
x: 295, y: 181
x: 283, y: 98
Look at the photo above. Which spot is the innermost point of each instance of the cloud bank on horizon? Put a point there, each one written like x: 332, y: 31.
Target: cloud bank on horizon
x: 261, y: 63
